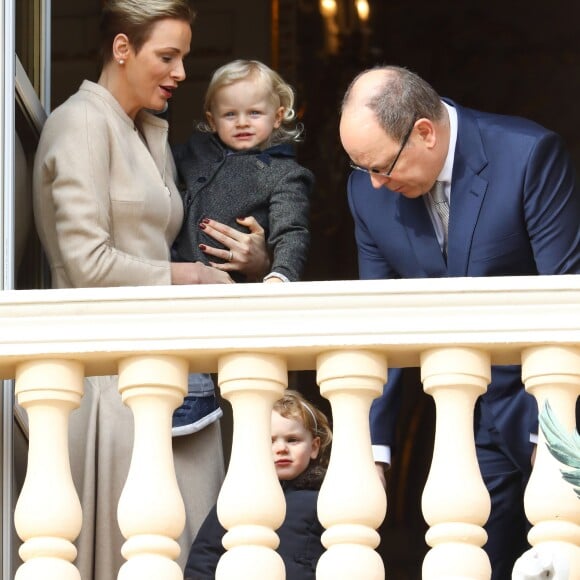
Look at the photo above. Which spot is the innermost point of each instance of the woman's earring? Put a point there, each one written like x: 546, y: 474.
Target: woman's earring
x: 121, y: 61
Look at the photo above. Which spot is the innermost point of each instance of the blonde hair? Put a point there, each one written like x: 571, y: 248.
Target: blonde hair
x: 294, y: 406
x: 281, y: 95
x: 136, y: 18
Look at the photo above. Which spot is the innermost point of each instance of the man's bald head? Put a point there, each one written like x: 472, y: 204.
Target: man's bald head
x: 395, y: 96
x: 395, y: 127
x: 365, y: 85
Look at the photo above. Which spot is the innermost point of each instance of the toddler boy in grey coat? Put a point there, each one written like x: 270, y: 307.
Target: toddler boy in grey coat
x: 240, y: 162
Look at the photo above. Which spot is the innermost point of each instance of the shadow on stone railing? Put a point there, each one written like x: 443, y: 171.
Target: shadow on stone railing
x: 350, y: 332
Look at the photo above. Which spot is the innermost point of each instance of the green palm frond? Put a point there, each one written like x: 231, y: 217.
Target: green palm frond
x: 564, y: 446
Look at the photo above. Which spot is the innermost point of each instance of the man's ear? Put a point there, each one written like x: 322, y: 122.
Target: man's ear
x: 121, y: 47
x: 426, y: 130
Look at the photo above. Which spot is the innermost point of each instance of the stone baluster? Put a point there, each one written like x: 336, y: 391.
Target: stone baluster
x: 352, y: 502
x: 48, y: 513
x: 455, y: 501
x: 251, y: 502
x: 552, y: 373
x: 151, y: 512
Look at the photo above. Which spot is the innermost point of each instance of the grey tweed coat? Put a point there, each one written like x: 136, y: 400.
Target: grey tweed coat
x: 222, y: 184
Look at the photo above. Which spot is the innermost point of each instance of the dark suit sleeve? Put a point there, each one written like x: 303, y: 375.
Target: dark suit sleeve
x: 371, y: 263
x: 552, y: 214
x: 552, y: 207
x: 385, y: 410
x: 206, y: 549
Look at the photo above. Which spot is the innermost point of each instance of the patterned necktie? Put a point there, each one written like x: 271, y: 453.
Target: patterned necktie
x: 442, y: 208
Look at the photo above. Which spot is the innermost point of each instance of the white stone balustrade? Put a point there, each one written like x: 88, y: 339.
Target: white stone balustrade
x: 352, y: 502
x: 251, y: 502
x: 552, y: 373
x: 455, y: 501
x: 253, y: 334
x: 48, y: 513
x: 151, y: 513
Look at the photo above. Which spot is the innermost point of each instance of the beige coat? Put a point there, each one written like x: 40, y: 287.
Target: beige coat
x: 102, y: 199
x: 107, y: 210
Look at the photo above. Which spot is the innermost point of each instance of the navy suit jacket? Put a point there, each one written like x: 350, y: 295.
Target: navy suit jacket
x: 514, y: 210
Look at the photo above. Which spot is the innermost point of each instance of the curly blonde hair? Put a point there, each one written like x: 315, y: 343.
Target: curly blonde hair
x: 281, y: 95
x: 294, y: 406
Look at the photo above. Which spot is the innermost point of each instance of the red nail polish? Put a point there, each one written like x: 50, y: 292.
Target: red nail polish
x: 202, y: 226
x: 243, y: 217
x: 202, y: 247
x: 205, y: 221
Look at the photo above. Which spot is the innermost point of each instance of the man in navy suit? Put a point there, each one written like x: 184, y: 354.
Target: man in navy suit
x: 514, y: 209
